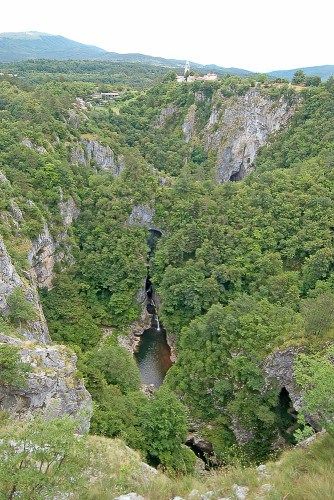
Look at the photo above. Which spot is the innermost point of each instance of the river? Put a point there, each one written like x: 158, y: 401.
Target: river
x: 153, y: 356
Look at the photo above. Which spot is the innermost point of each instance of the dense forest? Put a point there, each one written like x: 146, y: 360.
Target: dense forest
x: 242, y: 268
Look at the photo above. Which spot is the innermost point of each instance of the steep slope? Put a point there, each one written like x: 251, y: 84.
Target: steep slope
x: 238, y: 268
x: 218, y: 126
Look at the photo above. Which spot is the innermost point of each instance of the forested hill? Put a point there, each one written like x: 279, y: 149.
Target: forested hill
x: 238, y: 177
x: 324, y: 72
x: 34, y: 45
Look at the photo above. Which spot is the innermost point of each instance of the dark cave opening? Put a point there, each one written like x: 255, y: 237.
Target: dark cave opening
x: 286, y: 416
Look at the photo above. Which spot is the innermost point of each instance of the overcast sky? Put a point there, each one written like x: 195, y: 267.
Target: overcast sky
x: 258, y: 35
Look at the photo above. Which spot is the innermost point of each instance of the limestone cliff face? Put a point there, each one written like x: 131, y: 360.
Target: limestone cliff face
x: 142, y: 215
x: 93, y: 153
x: 236, y: 128
x: 41, y: 257
x: 9, y: 281
x: 244, y: 126
x: 53, y: 387
x: 278, y: 370
x: 46, y: 250
x: 165, y: 114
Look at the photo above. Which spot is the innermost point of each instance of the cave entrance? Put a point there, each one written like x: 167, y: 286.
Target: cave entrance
x: 286, y: 415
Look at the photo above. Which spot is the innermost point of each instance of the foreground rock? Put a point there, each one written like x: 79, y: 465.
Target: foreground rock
x: 53, y: 387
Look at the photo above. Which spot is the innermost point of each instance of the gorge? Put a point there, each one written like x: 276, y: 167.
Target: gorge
x: 153, y: 354
x: 119, y: 224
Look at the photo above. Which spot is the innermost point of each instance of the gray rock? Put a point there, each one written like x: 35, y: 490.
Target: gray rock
x: 147, y: 468
x: 243, y: 126
x: 261, y: 468
x: 142, y: 215
x: 200, y: 443
x: 27, y: 142
x: 9, y: 278
x: 69, y: 211
x: 242, y: 435
x: 3, y: 178
x: 45, y: 251
x: 9, y: 281
x: 41, y: 257
x: 278, y: 370
x: 207, y: 496
x: 130, y: 496
x: 53, y: 388
x: 265, y: 488
x: 189, y: 123
x: 240, y: 492
x: 15, y: 210
x: 92, y: 152
x: 164, y: 115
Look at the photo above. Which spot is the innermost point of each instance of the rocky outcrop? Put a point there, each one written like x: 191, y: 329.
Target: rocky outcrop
x: 40, y: 149
x: 53, y: 387
x: 189, y: 123
x: 41, y: 258
x: 9, y: 281
x: 142, y: 215
x: 3, y: 178
x: 92, y: 153
x: 45, y: 251
x: 241, y: 434
x: 240, y: 128
x: 278, y: 371
x: 69, y: 211
x: 165, y: 114
x: 131, y: 341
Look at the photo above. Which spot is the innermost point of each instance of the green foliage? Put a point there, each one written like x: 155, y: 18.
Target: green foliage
x: 298, y: 77
x: 116, y: 366
x: 21, y: 309
x: 42, y: 458
x: 12, y: 371
x: 241, y: 268
x: 315, y: 374
x: 164, y: 426
x: 319, y: 315
x: 70, y: 321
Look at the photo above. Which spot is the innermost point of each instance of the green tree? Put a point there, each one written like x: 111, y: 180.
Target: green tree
x: 315, y: 374
x: 298, y: 77
x: 170, y: 76
x: 21, y: 309
x: 116, y: 366
x: 12, y: 370
x: 319, y: 314
x: 41, y: 459
x: 164, y: 425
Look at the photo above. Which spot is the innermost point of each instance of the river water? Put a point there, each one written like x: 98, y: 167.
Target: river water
x: 153, y: 356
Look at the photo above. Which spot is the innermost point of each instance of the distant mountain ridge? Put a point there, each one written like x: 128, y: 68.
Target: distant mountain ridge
x: 35, y: 45
x: 21, y: 46
x: 323, y: 71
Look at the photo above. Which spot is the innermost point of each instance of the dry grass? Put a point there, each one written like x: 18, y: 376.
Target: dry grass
x: 300, y: 474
